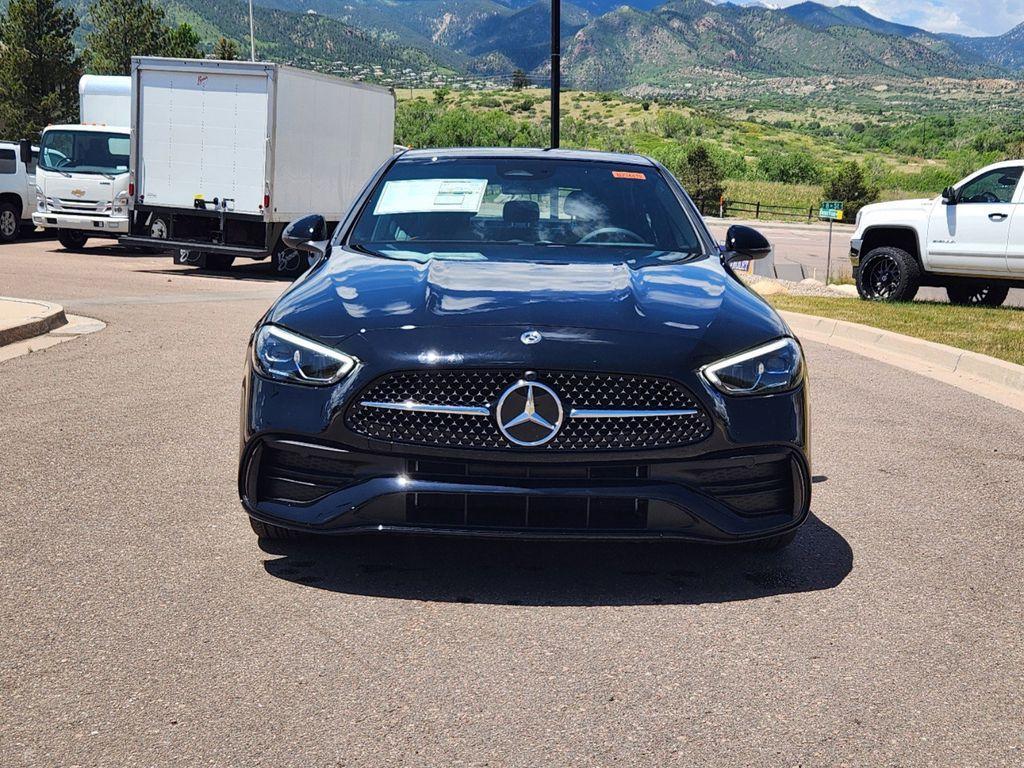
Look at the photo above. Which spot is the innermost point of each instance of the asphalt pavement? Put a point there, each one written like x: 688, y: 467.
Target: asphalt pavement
x: 808, y: 247
x: 143, y: 625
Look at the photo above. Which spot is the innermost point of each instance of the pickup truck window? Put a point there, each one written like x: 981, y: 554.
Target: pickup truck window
x: 996, y: 186
x: 8, y: 161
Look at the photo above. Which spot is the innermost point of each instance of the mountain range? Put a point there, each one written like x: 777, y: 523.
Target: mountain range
x: 608, y: 45
x: 605, y: 44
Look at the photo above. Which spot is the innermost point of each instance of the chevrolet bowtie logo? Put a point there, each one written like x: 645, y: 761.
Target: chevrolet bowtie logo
x: 78, y: 192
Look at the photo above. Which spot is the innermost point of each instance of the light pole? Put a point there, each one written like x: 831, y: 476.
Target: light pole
x: 556, y: 67
x: 252, y: 34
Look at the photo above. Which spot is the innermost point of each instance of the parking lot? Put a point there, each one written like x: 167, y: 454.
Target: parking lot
x: 144, y: 624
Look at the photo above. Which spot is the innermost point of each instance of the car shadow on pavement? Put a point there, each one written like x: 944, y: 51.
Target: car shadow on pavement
x: 552, y: 573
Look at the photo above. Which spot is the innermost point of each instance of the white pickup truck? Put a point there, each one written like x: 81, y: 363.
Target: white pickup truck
x: 969, y: 240
x: 17, y: 189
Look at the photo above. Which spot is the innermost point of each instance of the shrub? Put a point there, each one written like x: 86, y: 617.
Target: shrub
x: 847, y: 183
x: 788, y: 167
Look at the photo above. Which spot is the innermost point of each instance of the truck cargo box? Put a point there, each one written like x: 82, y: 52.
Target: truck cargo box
x: 252, y: 139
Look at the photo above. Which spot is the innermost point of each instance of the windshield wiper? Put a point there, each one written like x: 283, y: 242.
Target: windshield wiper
x: 61, y: 171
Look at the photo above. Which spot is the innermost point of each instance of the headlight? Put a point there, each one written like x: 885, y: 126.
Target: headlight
x: 40, y: 200
x: 286, y: 356
x: 775, y: 367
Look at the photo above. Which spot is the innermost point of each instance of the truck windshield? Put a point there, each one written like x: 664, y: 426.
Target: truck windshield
x: 73, y: 151
x: 452, y: 206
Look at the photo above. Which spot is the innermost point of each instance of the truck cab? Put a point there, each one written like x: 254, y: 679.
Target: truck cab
x: 968, y: 240
x: 17, y: 189
x: 82, y: 174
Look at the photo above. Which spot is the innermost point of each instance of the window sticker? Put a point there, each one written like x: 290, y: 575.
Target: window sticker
x: 629, y: 175
x: 431, y: 196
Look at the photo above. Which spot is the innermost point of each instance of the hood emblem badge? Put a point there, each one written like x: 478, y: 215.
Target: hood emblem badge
x: 529, y: 414
x: 78, y: 192
x: 531, y: 337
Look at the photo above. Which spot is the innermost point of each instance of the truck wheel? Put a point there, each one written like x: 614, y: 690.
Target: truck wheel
x: 289, y: 262
x: 217, y: 261
x: 10, y: 224
x: 888, y: 274
x: 268, y: 531
x: 977, y: 294
x: 72, y: 239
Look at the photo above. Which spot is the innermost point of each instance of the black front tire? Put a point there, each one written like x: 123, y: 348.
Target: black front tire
x: 268, y: 531
x: 969, y: 294
x: 289, y: 262
x: 10, y: 223
x: 888, y: 274
x: 72, y: 239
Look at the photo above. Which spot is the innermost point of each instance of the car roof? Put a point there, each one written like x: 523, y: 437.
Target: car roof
x: 527, y: 152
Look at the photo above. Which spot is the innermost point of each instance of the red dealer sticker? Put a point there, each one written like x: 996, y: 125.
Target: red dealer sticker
x: 628, y: 175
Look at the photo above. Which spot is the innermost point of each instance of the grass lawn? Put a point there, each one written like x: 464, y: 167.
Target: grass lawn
x: 995, y: 332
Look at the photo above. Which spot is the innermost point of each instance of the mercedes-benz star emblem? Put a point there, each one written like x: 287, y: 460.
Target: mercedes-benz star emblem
x: 531, y: 337
x: 529, y: 414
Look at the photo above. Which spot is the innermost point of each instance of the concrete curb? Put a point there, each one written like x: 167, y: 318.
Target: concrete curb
x: 27, y: 318
x: 958, y: 366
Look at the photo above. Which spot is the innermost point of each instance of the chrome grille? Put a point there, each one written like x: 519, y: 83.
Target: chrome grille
x: 471, y: 389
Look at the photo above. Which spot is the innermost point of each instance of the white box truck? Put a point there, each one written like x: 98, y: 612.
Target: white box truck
x: 226, y: 153
x: 82, y: 172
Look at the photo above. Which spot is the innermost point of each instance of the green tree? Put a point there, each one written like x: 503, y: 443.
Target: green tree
x: 226, y: 49
x: 39, y: 68
x: 519, y: 80
x: 122, y: 29
x: 702, y: 176
x: 847, y: 183
x: 183, y: 43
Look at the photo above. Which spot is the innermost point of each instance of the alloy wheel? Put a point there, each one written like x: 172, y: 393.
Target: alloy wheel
x: 8, y: 223
x: 883, y: 277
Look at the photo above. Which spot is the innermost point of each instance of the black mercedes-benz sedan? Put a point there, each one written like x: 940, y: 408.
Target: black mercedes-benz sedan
x: 535, y: 343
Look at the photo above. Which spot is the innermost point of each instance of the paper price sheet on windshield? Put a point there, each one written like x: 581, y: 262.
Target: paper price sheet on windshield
x: 431, y: 196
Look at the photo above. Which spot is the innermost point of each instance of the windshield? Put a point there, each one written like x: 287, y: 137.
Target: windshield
x: 450, y: 207
x: 84, y: 152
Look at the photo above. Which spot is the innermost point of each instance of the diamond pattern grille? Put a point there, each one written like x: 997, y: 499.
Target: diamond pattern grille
x: 474, y: 387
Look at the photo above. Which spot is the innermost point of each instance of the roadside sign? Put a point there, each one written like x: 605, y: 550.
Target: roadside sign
x: 831, y: 210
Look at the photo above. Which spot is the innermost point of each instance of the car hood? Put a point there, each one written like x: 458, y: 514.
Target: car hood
x: 355, y: 293
x: 915, y: 204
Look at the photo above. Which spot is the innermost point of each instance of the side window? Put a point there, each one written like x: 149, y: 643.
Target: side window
x: 8, y: 161
x: 995, y: 186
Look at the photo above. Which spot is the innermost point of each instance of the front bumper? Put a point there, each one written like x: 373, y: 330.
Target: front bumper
x: 855, y: 247
x: 332, y: 489
x: 94, y: 224
x: 302, y: 468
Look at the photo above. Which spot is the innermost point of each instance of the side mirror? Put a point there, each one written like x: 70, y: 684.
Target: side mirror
x: 743, y: 243
x: 949, y: 196
x: 307, y: 234
x: 25, y: 151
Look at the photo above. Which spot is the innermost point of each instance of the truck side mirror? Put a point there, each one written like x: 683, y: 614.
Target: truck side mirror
x: 949, y: 196
x: 743, y: 243
x: 307, y: 234
x: 25, y: 151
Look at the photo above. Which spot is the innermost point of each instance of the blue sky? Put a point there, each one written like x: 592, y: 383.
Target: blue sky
x: 967, y: 17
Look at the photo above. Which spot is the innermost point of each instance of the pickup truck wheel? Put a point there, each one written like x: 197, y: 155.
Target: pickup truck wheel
x: 268, y: 531
x: 289, y: 262
x: 888, y: 274
x: 72, y: 239
x: 977, y: 294
x: 9, y: 223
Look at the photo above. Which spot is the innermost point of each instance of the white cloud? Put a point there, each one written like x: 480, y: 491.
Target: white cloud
x: 965, y: 17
